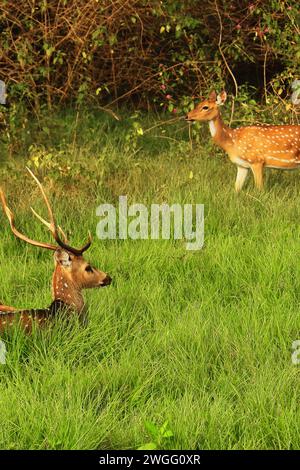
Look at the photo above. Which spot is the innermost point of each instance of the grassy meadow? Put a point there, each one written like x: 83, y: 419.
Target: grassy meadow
x: 199, y: 342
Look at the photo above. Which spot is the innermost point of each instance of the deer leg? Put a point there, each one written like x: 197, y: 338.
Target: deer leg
x: 240, y: 178
x: 257, y: 170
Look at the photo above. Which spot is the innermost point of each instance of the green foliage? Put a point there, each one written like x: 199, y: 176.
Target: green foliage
x: 156, y: 53
x: 159, y: 435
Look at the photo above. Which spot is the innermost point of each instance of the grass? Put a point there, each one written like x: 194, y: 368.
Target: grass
x: 200, y: 339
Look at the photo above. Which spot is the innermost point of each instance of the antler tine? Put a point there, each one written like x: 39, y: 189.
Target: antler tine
x: 88, y: 244
x: 52, y: 224
x: 16, y: 232
x: 48, y: 225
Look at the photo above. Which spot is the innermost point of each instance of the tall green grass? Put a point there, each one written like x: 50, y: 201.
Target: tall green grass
x: 200, y: 339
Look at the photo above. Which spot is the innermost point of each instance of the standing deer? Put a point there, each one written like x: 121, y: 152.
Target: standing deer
x: 253, y: 147
x: 71, y: 275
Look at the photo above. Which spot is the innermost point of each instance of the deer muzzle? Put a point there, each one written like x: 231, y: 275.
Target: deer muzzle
x: 106, y: 281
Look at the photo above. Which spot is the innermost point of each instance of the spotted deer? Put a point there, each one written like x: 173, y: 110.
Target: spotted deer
x: 250, y: 147
x: 71, y: 275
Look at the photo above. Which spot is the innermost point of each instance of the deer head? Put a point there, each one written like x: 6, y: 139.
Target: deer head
x: 72, y: 272
x: 208, y: 109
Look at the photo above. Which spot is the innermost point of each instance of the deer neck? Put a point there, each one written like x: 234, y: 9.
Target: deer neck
x: 220, y: 133
x: 64, y: 289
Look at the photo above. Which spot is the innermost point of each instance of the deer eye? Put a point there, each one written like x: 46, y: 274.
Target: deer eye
x: 89, y: 269
x: 205, y: 107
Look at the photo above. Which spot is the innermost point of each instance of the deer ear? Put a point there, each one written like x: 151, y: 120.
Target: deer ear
x: 221, y: 98
x: 212, y: 96
x: 62, y: 257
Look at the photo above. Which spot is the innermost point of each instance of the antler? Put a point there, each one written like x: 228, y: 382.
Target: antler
x: 50, y: 225
x: 18, y: 234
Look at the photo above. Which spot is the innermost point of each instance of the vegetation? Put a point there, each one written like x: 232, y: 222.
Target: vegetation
x: 155, y: 53
x: 184, y: 349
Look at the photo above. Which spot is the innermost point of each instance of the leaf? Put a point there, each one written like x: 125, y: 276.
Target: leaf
x: 148, y: 446
x: 152, y: 429
x: 165, y: 431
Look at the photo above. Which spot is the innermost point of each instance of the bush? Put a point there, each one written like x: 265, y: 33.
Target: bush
x: 150, y: 51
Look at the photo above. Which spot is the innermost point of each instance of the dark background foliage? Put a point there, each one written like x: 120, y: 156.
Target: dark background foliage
x: 110, y: 51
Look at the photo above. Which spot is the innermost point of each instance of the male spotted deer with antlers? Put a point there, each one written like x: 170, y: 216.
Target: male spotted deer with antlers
x: 71, y: 275
x: 250, y: 147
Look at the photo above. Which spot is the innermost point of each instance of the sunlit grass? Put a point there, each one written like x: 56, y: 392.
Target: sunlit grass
x: 199, y: 339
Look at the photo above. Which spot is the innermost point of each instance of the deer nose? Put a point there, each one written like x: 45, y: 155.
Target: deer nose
x: 107, y: 280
